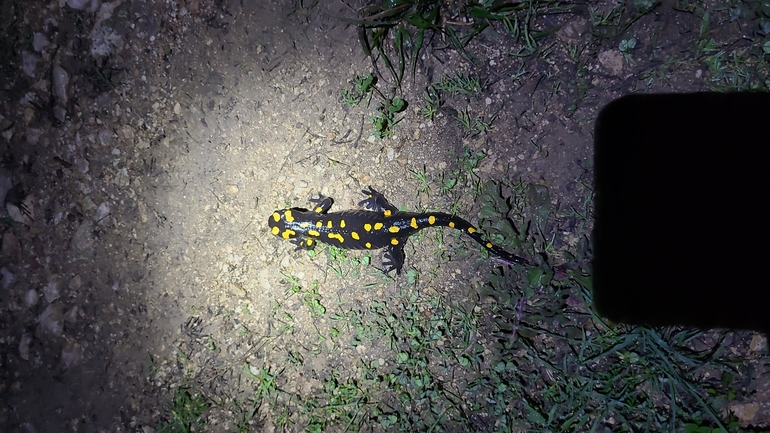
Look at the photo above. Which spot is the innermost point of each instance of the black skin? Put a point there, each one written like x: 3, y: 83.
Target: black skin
x: 382, y: 225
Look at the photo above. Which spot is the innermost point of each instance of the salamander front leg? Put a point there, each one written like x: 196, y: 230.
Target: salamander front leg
x: 303, y: 243
x: 322, y: 204
x: 393, y: 259
x: 377, y: 202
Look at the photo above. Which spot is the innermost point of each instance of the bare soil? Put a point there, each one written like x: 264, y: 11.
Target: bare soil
x: 150, y: 140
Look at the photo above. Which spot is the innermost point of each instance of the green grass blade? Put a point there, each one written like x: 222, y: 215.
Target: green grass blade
x: 416, y: 48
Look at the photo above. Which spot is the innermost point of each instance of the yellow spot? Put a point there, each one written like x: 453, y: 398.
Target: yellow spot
x: 319, y: 209
x: 355, y: 236
x: 336, y: 236
x: 304, y: 225
x: 377, y: 226
x: 329, y: 224
x: 393, y: 241
x: 289, y: 217
x: 489, y: 245
x: 393, y: 229
x: 309, y: 242
x: 368, y: 227
x: 288, y: 234
x: 452, y: 224
x: 319, y: 224
x: 387, y: 213
x: 275, y: 231
x: 471, y: 230
x: 313, y: 233
x: 368, y: 245
x: 342, y: 224
x: 431, y: 220
x: 413, y: 223
x: 276, y: 217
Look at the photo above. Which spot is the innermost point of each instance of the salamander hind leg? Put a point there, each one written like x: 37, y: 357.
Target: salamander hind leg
x: 303, y: 243
x: 377, y: 202
x: 393, y: 259
x: 322, y: 204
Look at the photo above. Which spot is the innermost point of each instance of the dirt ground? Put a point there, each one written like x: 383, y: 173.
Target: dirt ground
x: 145, y: 143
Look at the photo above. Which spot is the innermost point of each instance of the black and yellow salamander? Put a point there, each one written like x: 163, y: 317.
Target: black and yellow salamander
x: 383, y: 226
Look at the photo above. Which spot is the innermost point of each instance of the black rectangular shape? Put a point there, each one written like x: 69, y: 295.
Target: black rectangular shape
x: 681, y: 207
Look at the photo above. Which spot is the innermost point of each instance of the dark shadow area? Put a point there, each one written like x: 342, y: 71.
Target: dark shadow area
x: 680, y: 235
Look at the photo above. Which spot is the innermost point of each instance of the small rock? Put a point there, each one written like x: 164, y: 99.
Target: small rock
x: 29, y: 115
x: 83, y: 240
x: 238, y: 290
x: 75, y: 283
x: 105, y: 138
x: 177, y: 109
x: 71, y: 316
x: 71, y: 353
x: 29, y: 63
x: 61, y: 80
x: 8, y: 277
x: 611, y: 61
x: 29, y: 427
x: 60, y: 113
x: 745, y: 412
x: 105, y: 11
x: 24, y: 343
x: 31, y: 298
x: 83, y: 165
x: 23, y: 212
x: 573, y: 30
x: 78, y: 4
x: 122, y: 179
x: 127, y: 132
x: 52, y: 319
x: 194, y: 7
x: 39, y: 42
x: 101, y: 213
x: 52, y: 290
x: 231, y: 189
x: 87, y: 204
x: 104, y: 39
x: 758, y: 343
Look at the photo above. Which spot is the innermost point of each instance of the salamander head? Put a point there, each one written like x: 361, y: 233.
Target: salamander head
x: 280, y: 223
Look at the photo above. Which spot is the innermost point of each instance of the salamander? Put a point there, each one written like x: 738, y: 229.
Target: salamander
x: 381, y: 226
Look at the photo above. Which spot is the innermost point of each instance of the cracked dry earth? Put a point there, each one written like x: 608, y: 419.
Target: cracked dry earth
x: 144, y: 144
